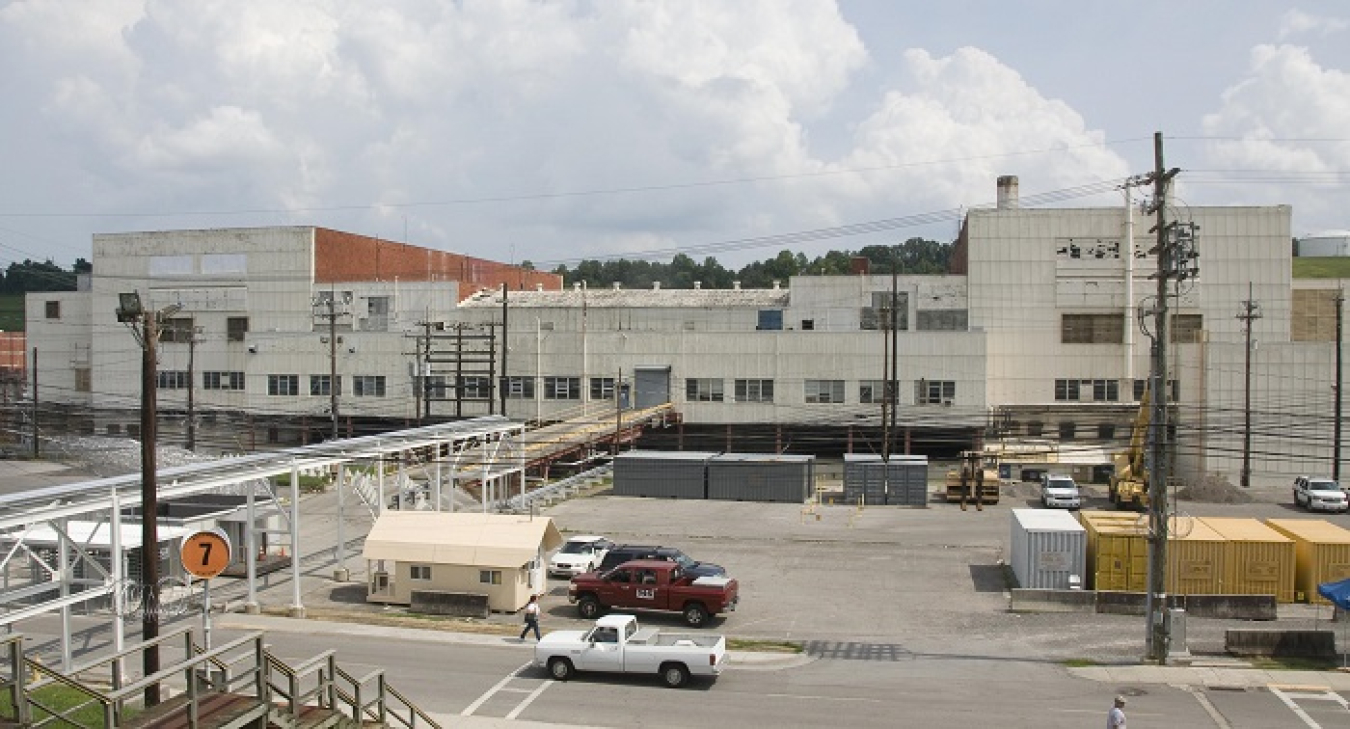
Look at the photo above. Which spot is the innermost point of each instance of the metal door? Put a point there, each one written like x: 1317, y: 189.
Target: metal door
x: 653, y: 386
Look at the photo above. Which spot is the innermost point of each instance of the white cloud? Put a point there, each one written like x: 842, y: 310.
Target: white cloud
x: 1296, y: 22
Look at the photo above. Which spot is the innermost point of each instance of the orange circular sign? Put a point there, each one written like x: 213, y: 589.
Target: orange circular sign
x: 206, y: 554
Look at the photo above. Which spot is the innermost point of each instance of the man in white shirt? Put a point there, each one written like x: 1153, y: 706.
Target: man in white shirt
x: 1115, y: 718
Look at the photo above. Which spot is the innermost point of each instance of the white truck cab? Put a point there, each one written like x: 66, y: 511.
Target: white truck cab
x: 1059, y: 490
x: 615, y: 644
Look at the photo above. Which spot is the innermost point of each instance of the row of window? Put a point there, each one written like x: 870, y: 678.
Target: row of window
x: 1100, y: 390
x: 486, y: 577
x: 1110, y: 328
x: 926, y: 392
x: 362, y: 385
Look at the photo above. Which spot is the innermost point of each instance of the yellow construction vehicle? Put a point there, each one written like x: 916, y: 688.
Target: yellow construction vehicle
x: 976, y: 481
x: 1129, y: 482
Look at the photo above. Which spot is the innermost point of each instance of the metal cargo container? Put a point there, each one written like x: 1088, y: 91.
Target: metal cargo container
x: 1321, y: 554
x: 761, y: 477
x: 1048, y: 548
x: 901, y: 482
x: 1118, y: 554
x: 1259, y: 560
x: 662, y: 474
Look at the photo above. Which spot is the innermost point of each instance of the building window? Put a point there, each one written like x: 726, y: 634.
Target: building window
x: 235, y: 328
x: 871, y: 392
x: 824, y: 390
x: 770, y: 320
x: 1035, y: 428
x: 1066, y: 390
x: 320, y: 385
x: 434, y: 387
x: 83, y: 381
x: 562, y: 388
x: 602, y: 388
x: 283, y: 384
x: 1174, y: 389
x: 934, y: 392
x: 420, y: 572
x: 808, y: 325
x: 53, y: 309
x: 1067, y: 430
x: 754, y: 390
x: 1105, y: 390
x: 172, y: 380
x: 178, y: 329
x: 223, y: 380
x: 1106, y: 431
x: 490, y: 577
x: 475, y: 387
x: 1092, y: 329
x: 368, y: 385
x: 520, y: 388
x: 703, y: 389
x: 1187, y: 328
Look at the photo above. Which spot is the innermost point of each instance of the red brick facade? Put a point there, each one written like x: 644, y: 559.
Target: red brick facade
x: 341, y: 257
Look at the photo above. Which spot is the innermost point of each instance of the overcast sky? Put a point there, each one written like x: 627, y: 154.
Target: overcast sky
x: 555, y: 131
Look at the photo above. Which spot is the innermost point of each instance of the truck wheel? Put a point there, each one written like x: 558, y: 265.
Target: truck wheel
x: 589, y: 607
x: 695, y: 615
x: 675, y: 675
x: 560, y: 669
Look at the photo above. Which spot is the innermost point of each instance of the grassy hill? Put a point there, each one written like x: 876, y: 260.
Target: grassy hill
x: 1322, y: 268
x: 11, y: 312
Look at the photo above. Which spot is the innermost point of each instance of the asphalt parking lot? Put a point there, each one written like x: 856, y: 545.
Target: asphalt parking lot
x: 899, y: 580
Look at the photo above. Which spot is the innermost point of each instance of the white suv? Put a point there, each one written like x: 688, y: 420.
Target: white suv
x: 1057, y: 490
x: 579, y: 555
x: 1319, y: 494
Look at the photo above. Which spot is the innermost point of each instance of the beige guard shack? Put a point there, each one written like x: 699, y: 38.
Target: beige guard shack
x: 498, y: 555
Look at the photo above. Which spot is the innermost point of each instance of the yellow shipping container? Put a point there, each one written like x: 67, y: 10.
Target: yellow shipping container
x: 1117, y: 546
x: 1321, y: 552
x: 1259, y: 560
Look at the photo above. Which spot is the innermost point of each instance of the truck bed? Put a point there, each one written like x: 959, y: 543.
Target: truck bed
x: 654, y: 637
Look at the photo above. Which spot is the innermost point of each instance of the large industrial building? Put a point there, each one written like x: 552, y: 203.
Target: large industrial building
x: 1034, y: 340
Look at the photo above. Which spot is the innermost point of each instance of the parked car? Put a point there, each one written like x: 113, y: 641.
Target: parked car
x: 1058, y: 490
x: 1319, y: 494
x: 579, y: 555
x: 617, y: 645
x: 629, y: 552
x: 650, y: 584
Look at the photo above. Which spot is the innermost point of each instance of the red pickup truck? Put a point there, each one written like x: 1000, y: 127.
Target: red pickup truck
x: 654, y: 585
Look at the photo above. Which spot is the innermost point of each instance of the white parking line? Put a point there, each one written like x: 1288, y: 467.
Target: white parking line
x: 468, y: 710
x: 1288, y: 696
x: 1208, y: 706
x: 525, y: 702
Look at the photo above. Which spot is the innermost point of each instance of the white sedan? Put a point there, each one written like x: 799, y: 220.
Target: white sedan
x: 579, y: 555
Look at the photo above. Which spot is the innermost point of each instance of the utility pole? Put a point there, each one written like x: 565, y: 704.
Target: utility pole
x: 1336, y: 425
x: 1158, y: 629
x: 35, y: 404
x: 332, y: 363
x: 1250, y: 312
x: 191, y: 403
x: 893, y: 378
x: 149, y: 505
x: 500, y: 382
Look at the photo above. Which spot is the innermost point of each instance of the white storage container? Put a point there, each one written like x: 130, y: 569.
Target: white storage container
x: 1049, y: 549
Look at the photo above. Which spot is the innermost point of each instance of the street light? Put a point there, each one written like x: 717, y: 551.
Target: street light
x: 130, y: 311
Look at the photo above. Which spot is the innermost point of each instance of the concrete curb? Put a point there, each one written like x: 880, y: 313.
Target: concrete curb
x: 1215, y: 677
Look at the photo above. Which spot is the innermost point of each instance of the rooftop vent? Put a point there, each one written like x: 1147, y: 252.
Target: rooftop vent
x: 736, y: 285
x: 617, y: 285
x: 656, y: 286
x: 698, y: 285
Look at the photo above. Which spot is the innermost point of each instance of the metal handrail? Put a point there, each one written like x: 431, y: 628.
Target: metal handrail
x: 295, y: 697
x: 14, y: 686
x: 378, y: 709
x: 115, y: 699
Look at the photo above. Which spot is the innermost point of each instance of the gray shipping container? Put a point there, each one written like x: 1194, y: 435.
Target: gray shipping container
x: 1049, y: 547
x: 901, y: 482
x: 761, y: 477
x: 662, y: 474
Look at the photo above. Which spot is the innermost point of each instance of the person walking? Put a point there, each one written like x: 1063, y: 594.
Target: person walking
x: 1115, y: 718
x: 532, y: 619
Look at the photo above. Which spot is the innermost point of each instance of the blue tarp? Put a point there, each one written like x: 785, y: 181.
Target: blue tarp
x: 1337, y: 592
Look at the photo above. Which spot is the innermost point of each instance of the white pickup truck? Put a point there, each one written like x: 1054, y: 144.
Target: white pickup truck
x: 617, y: 645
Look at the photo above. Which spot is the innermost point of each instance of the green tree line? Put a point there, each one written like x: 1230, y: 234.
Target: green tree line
x: 20, y: 278
x: 914, y: 256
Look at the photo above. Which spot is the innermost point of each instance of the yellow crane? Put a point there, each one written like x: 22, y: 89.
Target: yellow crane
x: 1129, y: 482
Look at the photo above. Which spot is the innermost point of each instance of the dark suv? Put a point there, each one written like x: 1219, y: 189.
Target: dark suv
x: 629, y: 552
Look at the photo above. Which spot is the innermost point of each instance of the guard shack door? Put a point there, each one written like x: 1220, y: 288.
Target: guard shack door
x: 653, y: 386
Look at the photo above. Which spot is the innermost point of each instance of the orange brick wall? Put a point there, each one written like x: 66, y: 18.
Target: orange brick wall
x: 340, y: 257
x: 12, y: 349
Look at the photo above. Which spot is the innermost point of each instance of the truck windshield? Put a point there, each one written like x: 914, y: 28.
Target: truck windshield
x: 575, y: 547
x: 1060, y: 483
x: 683, y: 560
x: 1324, y: 486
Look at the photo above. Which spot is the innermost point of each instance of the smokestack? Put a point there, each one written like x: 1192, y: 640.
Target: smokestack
x: 1007, y: 192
